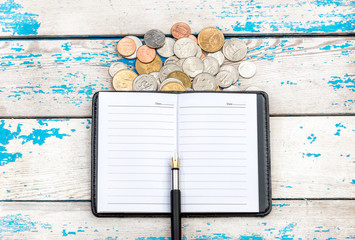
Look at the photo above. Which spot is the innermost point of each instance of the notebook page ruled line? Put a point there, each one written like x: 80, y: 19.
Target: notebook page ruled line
x: 217, y: 141
x: 136, y: 142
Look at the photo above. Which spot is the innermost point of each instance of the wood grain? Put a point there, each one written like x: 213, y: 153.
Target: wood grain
x: 48, y: 78
x: 301, y: 219
x: 312, y: 157
x: 110, y: 18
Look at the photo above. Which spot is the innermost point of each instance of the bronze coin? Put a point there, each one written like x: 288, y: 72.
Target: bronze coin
x: 123, y: 80
x: 183, y: 77
x: 146, y: 54
x: 173, y: 86
x: 180, y: 30
x: 210, y: 39
x: 126, y: 47
x: 145, y: 68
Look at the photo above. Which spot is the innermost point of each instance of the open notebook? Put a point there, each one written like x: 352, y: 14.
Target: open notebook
x: 221, y: 140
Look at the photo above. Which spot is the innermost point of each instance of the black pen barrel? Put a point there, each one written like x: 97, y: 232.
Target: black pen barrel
x: 175, y: 197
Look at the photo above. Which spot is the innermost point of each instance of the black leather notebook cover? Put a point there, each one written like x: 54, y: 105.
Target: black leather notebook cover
x: 264, y: 165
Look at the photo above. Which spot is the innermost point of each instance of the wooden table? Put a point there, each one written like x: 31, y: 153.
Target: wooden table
x: 55, y: 55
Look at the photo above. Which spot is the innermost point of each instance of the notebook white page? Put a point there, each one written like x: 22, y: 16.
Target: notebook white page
x: 138, y: 133
x: 217, y: 147
x: 136, y: 140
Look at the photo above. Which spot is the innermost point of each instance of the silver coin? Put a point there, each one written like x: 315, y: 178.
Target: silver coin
x: 217, y: 55
x: 171, y: 60
x: 145, y: 82
x: 167, y: 69
x: 169, y: 80
x: 247, y: 69
x: 156, y: 76
x: 138, y: 44
x: 234, y: 49
x: 115, y: 67
x: 154, y: 38
x: 211, y: 65
x: 185, y: 47
x: 232, y: 88
x: 224, y: 79
x: 193, y: 66
x: 167, y: 50
x: 180, y: 62
x: 204, y: 82
x: 232, y: 70
x: 252, y: 88
x: 199, y: 52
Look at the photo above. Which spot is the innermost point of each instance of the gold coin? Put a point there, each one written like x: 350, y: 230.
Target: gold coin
x: 210, y: 39
x: 145, y: 68
x: 123, y: 80
x: 183, y: 77
x: 173, y: 86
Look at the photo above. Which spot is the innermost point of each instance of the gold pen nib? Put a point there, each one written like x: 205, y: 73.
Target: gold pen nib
x: 175, y: 162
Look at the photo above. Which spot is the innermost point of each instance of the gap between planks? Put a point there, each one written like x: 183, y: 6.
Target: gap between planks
x: 273, y: 199
x: 243, y: 35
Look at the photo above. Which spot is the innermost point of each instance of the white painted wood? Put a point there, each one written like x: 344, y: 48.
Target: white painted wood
x: 312, y: 157
x: 288, y: 220
x: 95, y: 17
x: 58, y: 77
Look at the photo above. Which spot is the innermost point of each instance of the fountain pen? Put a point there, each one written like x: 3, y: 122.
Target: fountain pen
x: 175, y: 201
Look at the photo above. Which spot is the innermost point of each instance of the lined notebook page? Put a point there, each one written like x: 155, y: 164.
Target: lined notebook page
x: 136, y: 140
x: 217, y: 146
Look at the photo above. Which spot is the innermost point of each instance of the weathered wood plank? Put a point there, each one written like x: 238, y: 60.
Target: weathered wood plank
x: 312, y: 157
x: 288, y: 220
x: 108, y: 18
x: 58, y: 77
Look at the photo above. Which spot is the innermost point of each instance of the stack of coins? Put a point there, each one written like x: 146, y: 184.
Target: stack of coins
x: 190, y: 63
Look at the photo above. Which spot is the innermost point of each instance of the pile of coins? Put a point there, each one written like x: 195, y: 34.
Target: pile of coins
x: 191, y: 63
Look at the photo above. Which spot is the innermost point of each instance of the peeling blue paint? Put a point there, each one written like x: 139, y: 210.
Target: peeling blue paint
x: 67, y: 233
x: 17, y: 223
x: 336, y: 46
x: 281, y: 205
x: 284, y: 232
x: 311, y: 155
x: 37, y: 136
x: 339, y: 126
x: 346, y: 82
x: 251, y: 237
x: 14, y: 21
x: 323, y: 20
x: 66, y: 46
x: 312, y: 138
x: 5, y: 137
x: 44, y: 121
